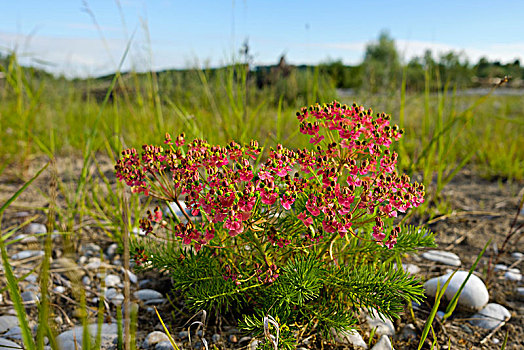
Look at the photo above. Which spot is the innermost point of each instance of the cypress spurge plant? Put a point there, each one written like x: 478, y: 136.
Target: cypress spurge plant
x: 306, y: 237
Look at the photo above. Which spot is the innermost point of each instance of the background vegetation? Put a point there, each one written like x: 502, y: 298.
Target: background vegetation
x: 430, y: 97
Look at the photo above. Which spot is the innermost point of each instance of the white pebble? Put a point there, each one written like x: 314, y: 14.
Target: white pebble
x: 491, y: 316
x: 147, y: 294
x: 444, y: 257
x: 349, y: 337
x: 112, y: 280
x: 513, y: 275
x: 383, y: 344
x: 383, y: 327
x: 26, y: 254
x: 517, y: 255
x: 473, y: 297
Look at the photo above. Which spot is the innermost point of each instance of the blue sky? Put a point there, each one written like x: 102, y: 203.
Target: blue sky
x: 62, y: 36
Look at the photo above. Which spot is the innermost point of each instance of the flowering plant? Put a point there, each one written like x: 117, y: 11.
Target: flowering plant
x: 290, y: 234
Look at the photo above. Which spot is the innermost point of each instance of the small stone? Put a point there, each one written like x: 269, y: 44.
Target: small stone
x: 118, y: 299
x: 517, y: 255
x: 215, y: 338
x: 7, y: 344
x: 111, y: 250
x: 473, y: 297
x: 349, y: 337
x: 154, y: 338
x: 443, y: 257
x: 491, y: 316
x: 112, y: 280
x: 58, y: 320
x: 147, y: 294
x: 29, y: 297
x: 500, y: 267
x: 383, y: 344
x: 383, y: 327
x: 91, y: 249
x: 26, y: 254
x: 14, y: 333
x: 132, y: 277
x: 94, y: 263
x: 412, y: 269
x: 59, y: 289
x: 86, y: 280
x: 440, y: 314
x: 32, y: 278
x: 21, y: 214
x: 164, y: 345
x: 110, y: 293
x: 233, y: 338
x: 513, y: 275
x: 495, y: 341
x: 254, y: 344
x: 34, y: 228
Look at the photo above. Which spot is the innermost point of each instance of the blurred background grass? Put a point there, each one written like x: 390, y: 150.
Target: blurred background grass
x: 430, y: 97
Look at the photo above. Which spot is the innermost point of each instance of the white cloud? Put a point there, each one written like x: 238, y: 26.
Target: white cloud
x: 82, y: 57
x: 70, y: 56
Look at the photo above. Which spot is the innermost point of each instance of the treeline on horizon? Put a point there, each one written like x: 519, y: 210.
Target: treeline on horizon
x: 381, y: 71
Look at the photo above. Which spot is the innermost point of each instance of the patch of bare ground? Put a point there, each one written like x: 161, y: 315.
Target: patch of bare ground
x: 480, y: 210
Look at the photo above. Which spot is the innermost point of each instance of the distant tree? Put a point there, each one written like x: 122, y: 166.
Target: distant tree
x: 482, y: 68
x: 338, y: 72
x: 429, y: 61
x: 415, y: 74
x: 454, y: 69
x: 381, y: 64
x: 514, y: 70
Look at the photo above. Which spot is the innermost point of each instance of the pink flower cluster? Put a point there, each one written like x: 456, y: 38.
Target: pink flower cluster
x: 347, y: 179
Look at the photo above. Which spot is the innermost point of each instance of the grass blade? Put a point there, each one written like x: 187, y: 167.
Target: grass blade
x: 453, y: 303
x: 14, y: 293
x: 171, y: 340
x: 433, y: 313
x: 19, y: 192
